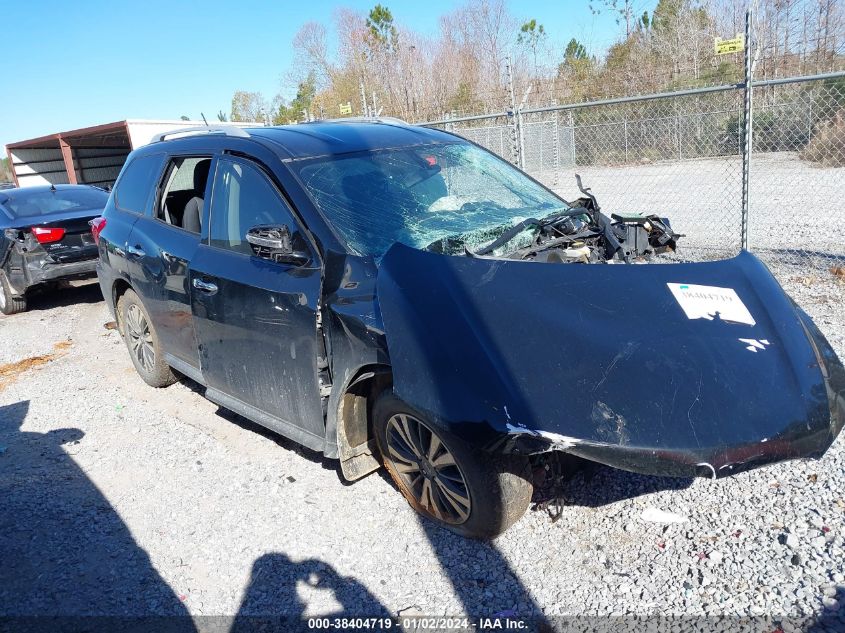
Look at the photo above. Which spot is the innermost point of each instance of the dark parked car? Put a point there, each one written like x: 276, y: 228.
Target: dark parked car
x: 45, y: 238
x: 385, y: 293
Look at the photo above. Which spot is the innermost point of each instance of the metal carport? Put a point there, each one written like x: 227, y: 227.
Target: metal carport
x: 92, y: 155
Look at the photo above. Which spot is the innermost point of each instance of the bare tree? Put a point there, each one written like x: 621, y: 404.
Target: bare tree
x: 311, y: 52
x: 460, y: 69
x: 623, y: 11
x: 248, y: 106
x: 532, y: 34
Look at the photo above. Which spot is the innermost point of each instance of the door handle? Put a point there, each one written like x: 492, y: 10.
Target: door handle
x: 205, y: 286
x: 136, y: 251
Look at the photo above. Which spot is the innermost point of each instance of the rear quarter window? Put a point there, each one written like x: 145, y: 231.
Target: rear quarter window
x: 132, y: 191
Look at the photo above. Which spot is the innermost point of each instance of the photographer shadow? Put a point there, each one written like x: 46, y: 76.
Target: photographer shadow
x: 66, y: 552
x: 277, y: 585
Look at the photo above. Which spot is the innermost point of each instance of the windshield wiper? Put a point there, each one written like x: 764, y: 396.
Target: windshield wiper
x: 518, y: 228
x: 505, y: 237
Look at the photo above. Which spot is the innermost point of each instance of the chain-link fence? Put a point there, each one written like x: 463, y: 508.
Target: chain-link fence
x: 681, y: 154
x: 797, y: 183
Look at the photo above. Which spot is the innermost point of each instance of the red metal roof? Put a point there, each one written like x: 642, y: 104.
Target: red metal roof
x: 51, y: 140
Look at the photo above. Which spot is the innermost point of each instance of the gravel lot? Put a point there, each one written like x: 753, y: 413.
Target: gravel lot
x: 116, y: 498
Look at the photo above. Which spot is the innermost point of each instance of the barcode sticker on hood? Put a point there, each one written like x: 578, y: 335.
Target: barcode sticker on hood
x: 711, y: 302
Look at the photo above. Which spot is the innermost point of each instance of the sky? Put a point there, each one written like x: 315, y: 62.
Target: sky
x: 74, y: 64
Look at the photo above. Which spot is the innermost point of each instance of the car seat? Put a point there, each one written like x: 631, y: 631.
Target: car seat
x: 192, y: 216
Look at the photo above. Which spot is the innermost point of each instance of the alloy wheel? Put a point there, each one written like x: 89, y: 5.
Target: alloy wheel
x: 140, y: 338
x: 427, y: 469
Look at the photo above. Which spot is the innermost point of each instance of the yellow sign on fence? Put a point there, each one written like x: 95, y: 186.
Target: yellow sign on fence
x: 346, y: 108
x: 734, y: 45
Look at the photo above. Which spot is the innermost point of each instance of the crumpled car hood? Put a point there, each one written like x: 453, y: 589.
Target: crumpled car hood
x: 634, y: 366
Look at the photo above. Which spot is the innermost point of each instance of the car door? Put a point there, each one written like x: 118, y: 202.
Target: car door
x: 159, y: 249
x: 256, y: 318
x: 130, y: 200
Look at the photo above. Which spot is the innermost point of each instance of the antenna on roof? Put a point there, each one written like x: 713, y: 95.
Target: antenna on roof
x: 204, y: 120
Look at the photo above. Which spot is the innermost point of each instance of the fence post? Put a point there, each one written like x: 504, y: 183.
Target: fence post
x: 364, y: 110
x: 540, y: 146
x: 747, y: 133
x: 516, y: 158
x: 520, y: 122
x: 810, y: 120
x: 556, y: 148
x: 625, y: 133
x: 678, y: 131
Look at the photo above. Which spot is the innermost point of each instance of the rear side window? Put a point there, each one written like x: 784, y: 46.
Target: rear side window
x: 133, y: 189
x: 183, y: 192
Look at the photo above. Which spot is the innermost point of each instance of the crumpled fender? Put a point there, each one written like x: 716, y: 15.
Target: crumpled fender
x: 603, y: 361
x: 13, y: 260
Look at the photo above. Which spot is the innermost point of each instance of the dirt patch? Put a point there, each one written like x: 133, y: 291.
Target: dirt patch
x: 11, y: 371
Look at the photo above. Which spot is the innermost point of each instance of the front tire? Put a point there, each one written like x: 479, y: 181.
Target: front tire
x: 143, y: 343
x: 473, y: 493
x: 9, y: 304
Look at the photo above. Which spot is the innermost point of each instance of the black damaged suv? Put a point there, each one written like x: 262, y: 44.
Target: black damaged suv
x: 383, y: 293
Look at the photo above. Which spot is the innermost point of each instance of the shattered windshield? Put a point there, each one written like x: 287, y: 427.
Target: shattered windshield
x: 443, y: 197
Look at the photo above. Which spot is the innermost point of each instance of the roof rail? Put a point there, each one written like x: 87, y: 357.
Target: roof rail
x: 364, y: 119
x: 228, y: 130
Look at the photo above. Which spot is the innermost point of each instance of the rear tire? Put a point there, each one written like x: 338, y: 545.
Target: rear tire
x: 9, y: 304
x: 473, y: 493
x: 143, y: 342
x: 118, y: 314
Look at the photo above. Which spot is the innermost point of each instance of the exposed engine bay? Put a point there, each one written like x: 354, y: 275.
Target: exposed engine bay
x: 583, y: 234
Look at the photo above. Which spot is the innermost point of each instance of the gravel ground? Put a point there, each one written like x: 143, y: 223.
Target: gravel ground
x: 116, y: 498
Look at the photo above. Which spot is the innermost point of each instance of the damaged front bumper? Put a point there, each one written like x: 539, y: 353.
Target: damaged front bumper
x: 627, y: 366
x: 711, y: 462
x: 808, y: 438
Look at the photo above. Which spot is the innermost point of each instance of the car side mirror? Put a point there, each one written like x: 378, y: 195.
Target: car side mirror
x: 276, y: 244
